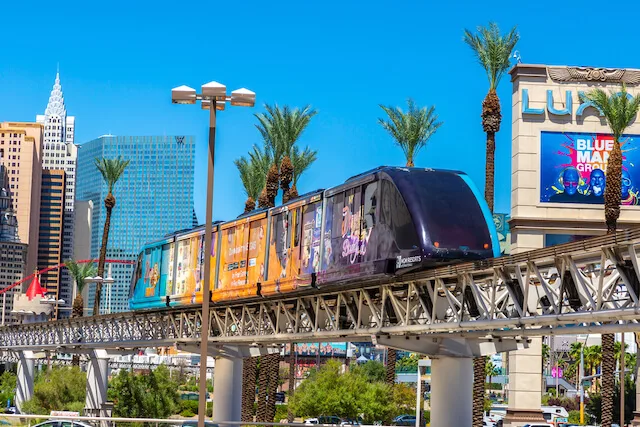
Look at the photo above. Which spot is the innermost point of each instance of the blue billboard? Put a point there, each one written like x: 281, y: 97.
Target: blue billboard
x: 573, y: 167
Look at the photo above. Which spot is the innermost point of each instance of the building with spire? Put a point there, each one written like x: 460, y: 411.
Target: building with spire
x: 13, y: 254
x: 59, y: 154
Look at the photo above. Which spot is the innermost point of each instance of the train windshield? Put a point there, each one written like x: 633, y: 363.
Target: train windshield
x: 454, y: 218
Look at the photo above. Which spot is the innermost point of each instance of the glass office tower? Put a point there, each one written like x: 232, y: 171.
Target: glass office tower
x: 154, y: 197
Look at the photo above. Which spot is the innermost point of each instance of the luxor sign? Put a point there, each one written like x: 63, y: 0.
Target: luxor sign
x: 551, y: 109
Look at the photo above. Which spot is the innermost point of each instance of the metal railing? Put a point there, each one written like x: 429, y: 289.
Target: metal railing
x: 157, y: 422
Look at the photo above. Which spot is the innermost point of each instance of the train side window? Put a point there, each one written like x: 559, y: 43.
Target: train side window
x: 296, y: 224
x: 395, y: 215
x: 338, y: 205
x: 370, y: 204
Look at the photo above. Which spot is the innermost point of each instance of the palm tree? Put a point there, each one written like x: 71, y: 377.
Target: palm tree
x: 280, y: 128
x: 411, y: 130
x: 111, y: 170
x: 252, y: 178
x: 79, y: 272
x: 301, y: 161
x: 619, y: 109
x: 493, y: 51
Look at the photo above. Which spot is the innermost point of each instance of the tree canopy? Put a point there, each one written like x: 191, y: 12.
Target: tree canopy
x: 59, y: 389
x: 153, y: 395
x: 360, y: 392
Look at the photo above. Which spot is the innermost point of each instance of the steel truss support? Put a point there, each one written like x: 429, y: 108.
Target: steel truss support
x: 558, y: 289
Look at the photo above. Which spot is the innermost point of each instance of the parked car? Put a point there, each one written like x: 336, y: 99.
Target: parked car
x: 63, y: 423
x: 404, y: 420
x: 330, y: 420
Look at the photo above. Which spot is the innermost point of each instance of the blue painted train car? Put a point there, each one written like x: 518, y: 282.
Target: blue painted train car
x: 387, y: 221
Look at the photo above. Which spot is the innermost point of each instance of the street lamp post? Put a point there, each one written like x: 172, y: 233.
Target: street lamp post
x: 213, y: 98
x: 99, y: 280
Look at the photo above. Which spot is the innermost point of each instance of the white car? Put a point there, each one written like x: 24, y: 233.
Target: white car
x: 63, y: 423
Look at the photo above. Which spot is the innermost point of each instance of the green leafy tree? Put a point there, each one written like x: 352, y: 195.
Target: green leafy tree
x: 58, y: 389
x: 111, y: 170
x: 411, y: 130
x: 327, y: 391
x: 493, y: 51
x: 8, y: 385
x: 153, y: 395
x: 372, y: 370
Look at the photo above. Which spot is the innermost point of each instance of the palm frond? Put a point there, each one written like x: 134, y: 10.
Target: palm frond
x: 493, y: 50
x: 111, y: 170
x: 411, y: 130
x: 281, y: 127
x: 80, y: 272
x: 301, y: 161
x: 618, y: 108
x: 252, y: 175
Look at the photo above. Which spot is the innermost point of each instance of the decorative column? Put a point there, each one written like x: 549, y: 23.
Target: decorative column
x: 451, y: 391
x: 525, y: 385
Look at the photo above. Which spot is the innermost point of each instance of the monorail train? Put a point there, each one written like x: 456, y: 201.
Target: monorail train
x: 387, y: 221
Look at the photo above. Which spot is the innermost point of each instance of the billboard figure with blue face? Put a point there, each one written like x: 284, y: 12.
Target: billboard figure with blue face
x: 628, y: 198
x: 597, y: 183
x: 570, y: 181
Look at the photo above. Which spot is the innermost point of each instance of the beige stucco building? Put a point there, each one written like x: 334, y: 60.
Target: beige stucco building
x: 552, y: 131
x: 20, y: 152
x: 560, y: 147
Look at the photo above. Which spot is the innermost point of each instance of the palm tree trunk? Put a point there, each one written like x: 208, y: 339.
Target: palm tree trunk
x: 109, y: 203
x: 608, y: 366
x: 489, y: 178
x: 274, y: 376
x: 612, y: 197
x: 479, y: 378
x: 613, y: 190
x: 248, y: 388
x: 292, y: 380
x: 261, y: 414
x: 391, y: 366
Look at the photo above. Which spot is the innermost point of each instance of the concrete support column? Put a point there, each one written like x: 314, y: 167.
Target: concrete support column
x: 97, y: 377
x: 451, y: 391
x: 227, y: 389
x: 525, y: 385
x: 24, y: 389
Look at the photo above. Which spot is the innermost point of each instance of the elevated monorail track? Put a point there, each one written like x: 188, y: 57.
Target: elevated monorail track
x: 591, y: 285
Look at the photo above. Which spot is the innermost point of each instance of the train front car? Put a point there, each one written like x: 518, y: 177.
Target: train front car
x: 449, y: 215
x: 151, y: 276
x: 395, y: 220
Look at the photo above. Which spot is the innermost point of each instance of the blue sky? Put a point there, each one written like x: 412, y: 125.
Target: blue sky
x: 119, y: 61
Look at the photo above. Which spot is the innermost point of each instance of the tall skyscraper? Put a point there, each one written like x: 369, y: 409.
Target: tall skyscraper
x: 20, y: 153
x: 60, y: 153
x: 52, y: 214
x: 154, y: 197
x: 13, y: 254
